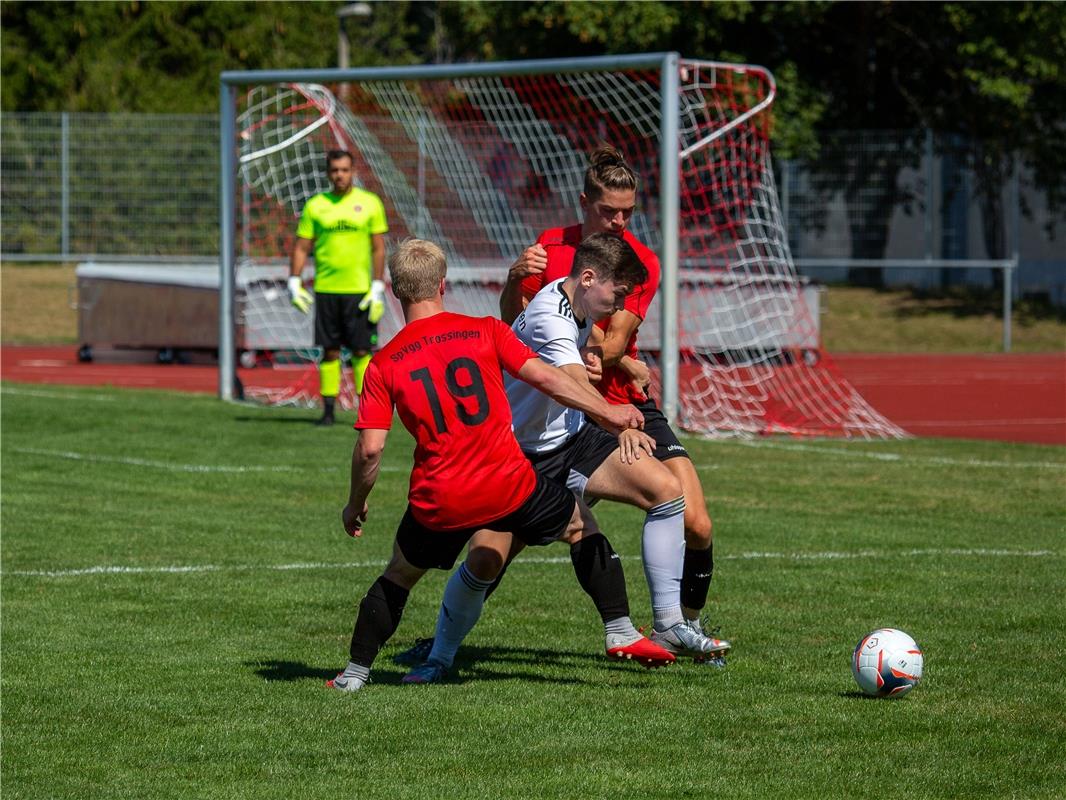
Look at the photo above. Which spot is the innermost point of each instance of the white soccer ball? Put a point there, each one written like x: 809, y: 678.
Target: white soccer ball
x: 887, y: 663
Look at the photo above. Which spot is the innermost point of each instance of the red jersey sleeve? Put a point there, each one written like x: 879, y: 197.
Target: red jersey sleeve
x: 639, y: 300
x: 531, y: 284
x: 375, y: 403
x: 512, y: 351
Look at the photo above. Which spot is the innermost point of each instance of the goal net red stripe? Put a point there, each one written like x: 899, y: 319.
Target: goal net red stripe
x: 482, y: 164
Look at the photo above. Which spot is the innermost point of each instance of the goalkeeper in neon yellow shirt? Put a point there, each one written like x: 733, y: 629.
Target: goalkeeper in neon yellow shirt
x: 346, y: 228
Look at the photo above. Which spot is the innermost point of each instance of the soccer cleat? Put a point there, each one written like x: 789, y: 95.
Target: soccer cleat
x: 697, y: 625
x: 641, y: 650
x: 416, y: 654
x: 430, y: 672
x: 343, y: 684
x: 325, y: 421
x: 710, y: 661
x: 683, y: 639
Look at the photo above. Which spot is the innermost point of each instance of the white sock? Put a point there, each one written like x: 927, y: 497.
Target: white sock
x: 662, y: 547
x: 354, y: 670
x: 460, y: 609
x: 620, y: 631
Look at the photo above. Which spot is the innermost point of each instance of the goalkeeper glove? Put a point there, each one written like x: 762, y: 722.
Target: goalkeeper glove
x: 375, y: 301
x: 300, y: 297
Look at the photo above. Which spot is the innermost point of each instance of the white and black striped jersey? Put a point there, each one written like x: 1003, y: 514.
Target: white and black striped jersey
x: 548, y: 327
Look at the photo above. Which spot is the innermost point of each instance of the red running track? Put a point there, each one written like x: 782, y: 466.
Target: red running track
x: 1012, y: 398
x: 1007, y: 397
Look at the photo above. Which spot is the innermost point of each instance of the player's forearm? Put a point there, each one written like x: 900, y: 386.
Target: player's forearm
x: 571, y: 393
x: 378, y: 258
x: 620, y: 330
x: 613, y: 349
x: 298, y: 257
x: 635, y: 369
x: 511, y: 304
x: 365, y: 467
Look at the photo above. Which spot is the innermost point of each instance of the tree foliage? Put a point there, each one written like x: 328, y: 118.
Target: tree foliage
x: 993, y: 73
x: 992, y: 70
x: 166, y: 56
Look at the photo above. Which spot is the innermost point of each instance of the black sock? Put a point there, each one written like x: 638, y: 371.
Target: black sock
x: 379, y: 614
x: 327, y: 406
x: 696, y: 577
x: 599, y: 571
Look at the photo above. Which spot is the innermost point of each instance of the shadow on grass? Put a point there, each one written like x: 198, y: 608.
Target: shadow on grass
x: 855, y: 695
x: 271, y: 671
x: 471, y: 664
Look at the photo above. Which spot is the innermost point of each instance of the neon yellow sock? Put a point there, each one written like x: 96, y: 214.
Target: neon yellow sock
x: 358, y: 370
x: 329, y: 378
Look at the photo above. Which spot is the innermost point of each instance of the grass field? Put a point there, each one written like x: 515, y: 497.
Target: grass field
x: 176, y: 589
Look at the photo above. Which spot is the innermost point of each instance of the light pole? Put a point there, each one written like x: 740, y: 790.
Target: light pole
x: 343, y: 46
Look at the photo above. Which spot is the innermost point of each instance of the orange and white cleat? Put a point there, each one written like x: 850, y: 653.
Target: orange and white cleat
x: 642, y: 650
x: 346, y: 684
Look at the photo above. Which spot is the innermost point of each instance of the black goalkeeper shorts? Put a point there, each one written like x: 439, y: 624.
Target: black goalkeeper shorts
x: 340, y: 323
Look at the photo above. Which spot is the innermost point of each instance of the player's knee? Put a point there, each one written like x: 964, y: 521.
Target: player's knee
x: 572, y: 536
x: 662, y: 488
x: 699, y: 530
x: 405, y: 577
x: 484, y: 562
x: 580, y: 526
x: 401, y: 572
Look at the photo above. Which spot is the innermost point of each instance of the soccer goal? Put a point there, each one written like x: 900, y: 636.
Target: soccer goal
x: 481, y: 157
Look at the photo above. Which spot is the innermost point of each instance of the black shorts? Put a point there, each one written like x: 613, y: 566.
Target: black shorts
x: 540, y: 520
x: 574, y: 462
x: 656, y: 426
x: 340, y: 323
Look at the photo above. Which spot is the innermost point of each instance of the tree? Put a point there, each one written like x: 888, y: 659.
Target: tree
x: 990, y: 73
x: 165, y: 57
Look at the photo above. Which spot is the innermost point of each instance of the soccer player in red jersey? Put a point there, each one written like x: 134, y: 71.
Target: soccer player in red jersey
x: 443, y: 374
x: 608, y: 202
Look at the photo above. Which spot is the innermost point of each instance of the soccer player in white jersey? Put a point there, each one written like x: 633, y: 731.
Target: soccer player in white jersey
x: 565, y: 448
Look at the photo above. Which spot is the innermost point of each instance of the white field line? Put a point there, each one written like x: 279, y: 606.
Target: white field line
x: 840, y: 452
x: 57, y: 395
x: 834, y: 452
x: 143, y: 462
x: 175, y: 467
x: 377, y: 564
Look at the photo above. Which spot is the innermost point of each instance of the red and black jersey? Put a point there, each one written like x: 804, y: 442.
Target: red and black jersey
x: 443, y: 374
x: 560, y: 244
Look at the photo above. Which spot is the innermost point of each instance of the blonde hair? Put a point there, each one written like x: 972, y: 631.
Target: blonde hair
x: 416, y: 268
x: 608, y: 170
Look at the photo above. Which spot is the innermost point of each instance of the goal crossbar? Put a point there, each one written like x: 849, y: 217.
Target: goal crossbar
x: 666, y: 61
x: 480, y: 156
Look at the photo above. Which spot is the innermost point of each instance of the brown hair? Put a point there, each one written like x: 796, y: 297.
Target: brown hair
x: 610, y: 258
x: 416, y: 267
x: 607, y: 170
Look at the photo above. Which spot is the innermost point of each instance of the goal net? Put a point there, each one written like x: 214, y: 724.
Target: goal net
x: 481, y: 163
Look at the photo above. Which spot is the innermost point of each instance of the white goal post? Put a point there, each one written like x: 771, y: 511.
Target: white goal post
x: 481, y: 157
